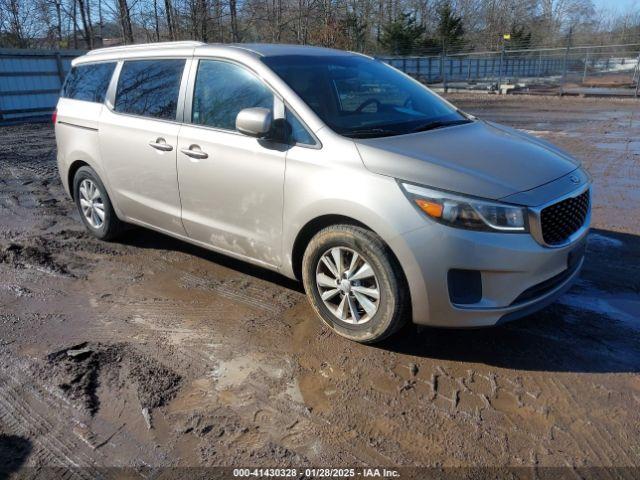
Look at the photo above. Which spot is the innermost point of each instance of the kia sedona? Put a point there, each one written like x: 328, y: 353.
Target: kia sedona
x: 330, y: 167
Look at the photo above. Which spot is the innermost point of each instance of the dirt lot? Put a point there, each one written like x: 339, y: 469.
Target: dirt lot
x: 151, y: 353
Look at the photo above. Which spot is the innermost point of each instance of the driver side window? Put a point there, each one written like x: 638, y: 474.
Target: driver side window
x: 221, y: 90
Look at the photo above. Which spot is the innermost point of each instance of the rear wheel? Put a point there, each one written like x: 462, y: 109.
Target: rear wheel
x: 94, y: 205
x: 354, y: 283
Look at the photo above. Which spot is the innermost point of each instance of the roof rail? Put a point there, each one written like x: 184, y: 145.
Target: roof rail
x: 141, y: 46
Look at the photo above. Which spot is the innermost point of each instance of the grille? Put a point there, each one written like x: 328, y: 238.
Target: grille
x: 560, y: 220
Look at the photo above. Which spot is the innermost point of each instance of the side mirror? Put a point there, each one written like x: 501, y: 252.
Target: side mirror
x: 254, y: 122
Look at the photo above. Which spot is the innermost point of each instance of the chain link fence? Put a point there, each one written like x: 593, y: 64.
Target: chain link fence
x: 30, y: 80
x: 583, y: 70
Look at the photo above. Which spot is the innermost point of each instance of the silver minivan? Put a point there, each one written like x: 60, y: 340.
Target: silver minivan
x: 331, y: 167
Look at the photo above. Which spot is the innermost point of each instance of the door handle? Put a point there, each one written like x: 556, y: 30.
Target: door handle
x: 194, y: 152
x: 160, y: 144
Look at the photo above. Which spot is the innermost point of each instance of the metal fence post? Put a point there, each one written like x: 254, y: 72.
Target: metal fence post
x: 500, y: 70
x: 443, y: 71
x: 586, y: 62
x: 566, y: 62
x: 636, y: 71
x: 540, y: 63
x: 638, y: 80
x: 60, y: 68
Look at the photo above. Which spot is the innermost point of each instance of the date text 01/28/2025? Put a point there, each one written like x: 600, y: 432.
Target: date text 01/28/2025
x: 316, y: 472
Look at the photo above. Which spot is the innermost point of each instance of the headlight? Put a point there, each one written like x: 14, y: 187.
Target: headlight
x: 463, y: 212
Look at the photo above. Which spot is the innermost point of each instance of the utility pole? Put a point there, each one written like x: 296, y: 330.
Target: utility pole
x: 505, y: 37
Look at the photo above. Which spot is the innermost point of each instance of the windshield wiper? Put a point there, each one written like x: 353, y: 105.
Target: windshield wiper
x: 371, y: 133
x: 439, y: 124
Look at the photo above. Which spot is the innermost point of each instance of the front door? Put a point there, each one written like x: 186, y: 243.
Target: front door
x: 139, y: 139
x: 231, y: 185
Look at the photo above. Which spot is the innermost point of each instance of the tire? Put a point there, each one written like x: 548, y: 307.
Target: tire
x: 392, y: 303
x: 107, y: 227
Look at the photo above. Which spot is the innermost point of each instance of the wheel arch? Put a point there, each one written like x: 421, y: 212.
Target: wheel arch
x: 73, y: 169
x: 307, y: 232
x: 313, y: 226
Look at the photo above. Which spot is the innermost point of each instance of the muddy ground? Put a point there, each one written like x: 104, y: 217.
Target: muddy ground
x: 149, y: 352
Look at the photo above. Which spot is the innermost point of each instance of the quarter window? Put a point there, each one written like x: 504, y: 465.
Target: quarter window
x: 221, y: 90
x: 149, y: 88
x: 88, y: 82
x: 298, y: 132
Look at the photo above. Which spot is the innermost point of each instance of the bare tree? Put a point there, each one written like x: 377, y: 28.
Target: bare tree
x: 125, y: 21
x: 170, y: 14
x: 233, y: 12
x: 15, y: 19
x: 349, y: 24
x: 85, y: 17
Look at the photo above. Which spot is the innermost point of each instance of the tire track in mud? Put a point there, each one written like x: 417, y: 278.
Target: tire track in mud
x: 23, y: 419
x: 440, y: 396
x: 592, y: 438
x: 61, y: 435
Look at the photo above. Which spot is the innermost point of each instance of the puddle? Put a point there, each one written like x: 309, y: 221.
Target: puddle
x: 231, y: 373
x: 625, y: 309
x: 234, y: 372
x: 602, y: 241
x: 545, y: 133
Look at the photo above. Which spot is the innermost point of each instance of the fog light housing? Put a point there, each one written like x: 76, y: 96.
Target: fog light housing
x: 465, y: 286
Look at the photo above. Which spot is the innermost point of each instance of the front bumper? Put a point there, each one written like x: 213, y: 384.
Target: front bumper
x: 518, y: 275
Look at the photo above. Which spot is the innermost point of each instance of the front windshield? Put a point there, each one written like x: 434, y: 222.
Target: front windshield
x: 362, y: 98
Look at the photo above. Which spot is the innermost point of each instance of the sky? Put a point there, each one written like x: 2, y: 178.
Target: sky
x: 616, y: 5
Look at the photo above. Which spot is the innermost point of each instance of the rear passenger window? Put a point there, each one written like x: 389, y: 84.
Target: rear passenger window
x: 88, y: 82
x: 223, y: 89
x: 149, y: 88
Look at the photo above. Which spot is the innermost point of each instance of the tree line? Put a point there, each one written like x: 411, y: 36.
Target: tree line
x: 398, y: 27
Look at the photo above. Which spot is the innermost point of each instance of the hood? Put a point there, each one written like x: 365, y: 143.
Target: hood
x: 480, y: 158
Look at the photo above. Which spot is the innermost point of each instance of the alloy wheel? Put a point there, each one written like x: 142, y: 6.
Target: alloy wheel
x: 91, y: 203
x: 347, y: 285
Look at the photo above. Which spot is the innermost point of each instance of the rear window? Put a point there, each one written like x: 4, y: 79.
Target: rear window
x: 149, y: 88
x: 88, y: 82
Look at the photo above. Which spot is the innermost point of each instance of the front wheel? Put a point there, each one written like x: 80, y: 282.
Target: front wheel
x: 354, y: 283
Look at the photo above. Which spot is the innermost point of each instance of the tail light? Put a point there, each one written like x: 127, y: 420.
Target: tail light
x: 54, y: 116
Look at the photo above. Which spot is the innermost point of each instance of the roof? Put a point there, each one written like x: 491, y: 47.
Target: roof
x: 145, y: 46
x: 258, y: 49
x: 279, y: 49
